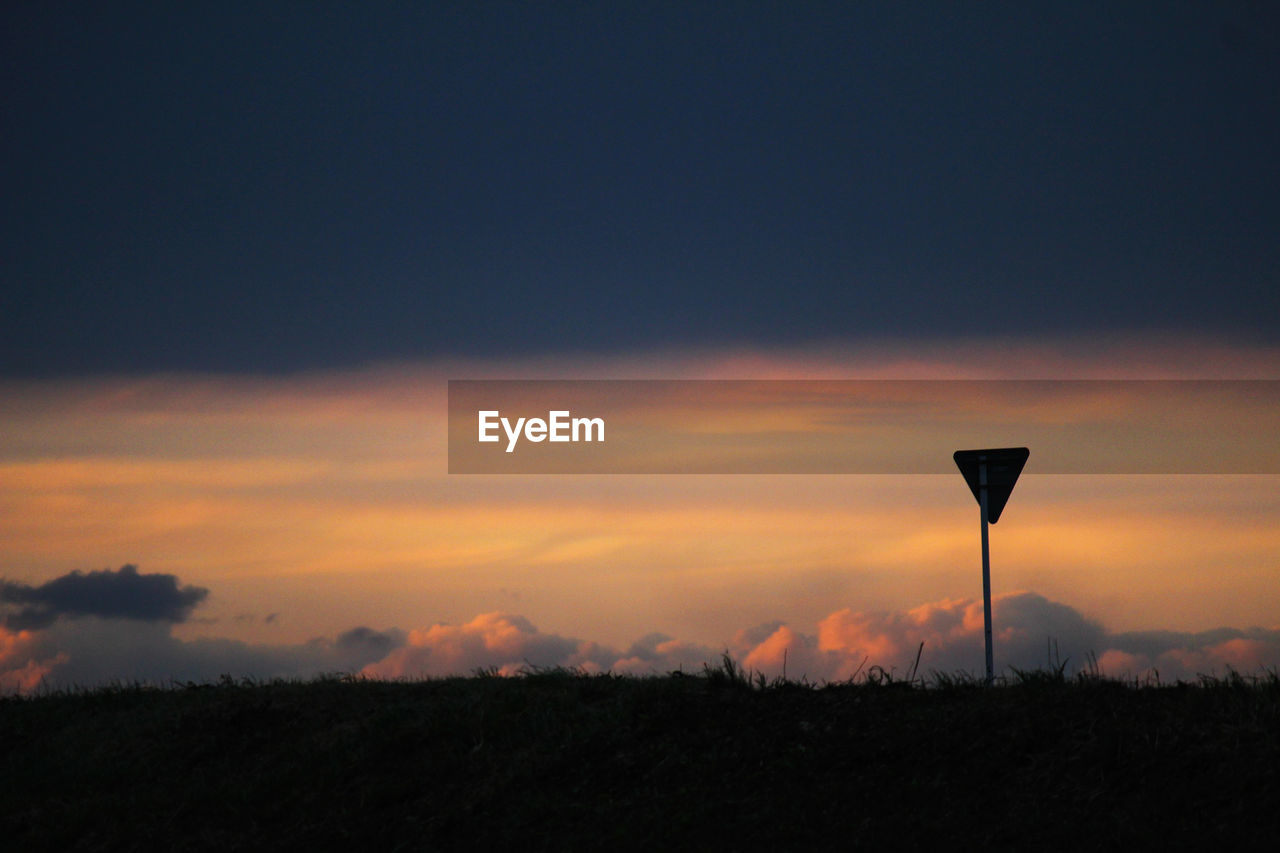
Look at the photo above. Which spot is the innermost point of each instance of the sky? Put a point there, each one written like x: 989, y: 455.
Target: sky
x: 246, y: 247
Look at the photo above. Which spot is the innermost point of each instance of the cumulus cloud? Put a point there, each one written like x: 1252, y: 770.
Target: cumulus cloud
x: 83, y: 629
x: 660, y: 654
x: 363, y: 643
x: 1030, y: 632
x: 120, y: 594
x: 509, y: 644
x: 22, y: 667
x: 491, y: 640
x: 124, y: 641
x: 1175, y: 655
x: 93, y: 650
x: 950, y: 630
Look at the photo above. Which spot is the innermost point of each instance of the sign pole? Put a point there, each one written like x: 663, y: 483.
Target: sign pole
x: 990, y: 475
x: 986, y: 565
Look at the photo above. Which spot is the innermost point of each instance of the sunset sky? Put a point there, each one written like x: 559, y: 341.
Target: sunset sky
x: 246, y: 248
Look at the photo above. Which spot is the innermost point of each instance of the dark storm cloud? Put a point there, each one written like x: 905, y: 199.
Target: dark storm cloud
x: 120, y: 594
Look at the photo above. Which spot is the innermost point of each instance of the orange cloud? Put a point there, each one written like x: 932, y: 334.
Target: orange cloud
x: 1032, y: 632
x: 325, y: 494
x: 22, y: 670
x: 491, y: 640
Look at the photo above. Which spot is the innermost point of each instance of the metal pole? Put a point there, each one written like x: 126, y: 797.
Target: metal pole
x: 986, y: 564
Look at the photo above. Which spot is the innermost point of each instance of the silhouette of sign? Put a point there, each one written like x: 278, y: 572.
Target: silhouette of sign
x: 1004, y: 464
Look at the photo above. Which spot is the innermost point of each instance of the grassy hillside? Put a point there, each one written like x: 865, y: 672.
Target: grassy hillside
x: 560, y: 761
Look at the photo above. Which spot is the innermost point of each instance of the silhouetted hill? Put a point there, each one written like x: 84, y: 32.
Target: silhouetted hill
x: 562, y: 761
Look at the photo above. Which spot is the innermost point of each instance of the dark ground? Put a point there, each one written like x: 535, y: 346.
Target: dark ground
x: 561, y: 761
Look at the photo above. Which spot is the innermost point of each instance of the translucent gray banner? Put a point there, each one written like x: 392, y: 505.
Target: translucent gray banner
x: 861, y: 426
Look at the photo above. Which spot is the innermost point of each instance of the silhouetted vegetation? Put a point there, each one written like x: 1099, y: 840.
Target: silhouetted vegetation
x: 722, y: 760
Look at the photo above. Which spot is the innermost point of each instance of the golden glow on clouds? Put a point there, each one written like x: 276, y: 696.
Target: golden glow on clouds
x: 324, y: 497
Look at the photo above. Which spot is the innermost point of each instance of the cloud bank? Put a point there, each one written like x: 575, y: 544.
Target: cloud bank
x: 61, y: 635
x: 120, y: 594
x: 1030, y: 632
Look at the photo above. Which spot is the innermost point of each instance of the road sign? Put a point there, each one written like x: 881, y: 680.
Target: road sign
x: 1004, y: 464
x: 990, y: 474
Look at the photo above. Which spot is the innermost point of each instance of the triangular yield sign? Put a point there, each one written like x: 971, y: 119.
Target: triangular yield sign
x: 1004, y: 464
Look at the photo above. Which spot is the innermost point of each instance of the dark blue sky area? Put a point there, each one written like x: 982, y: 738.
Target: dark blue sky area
x: 289, y: 185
